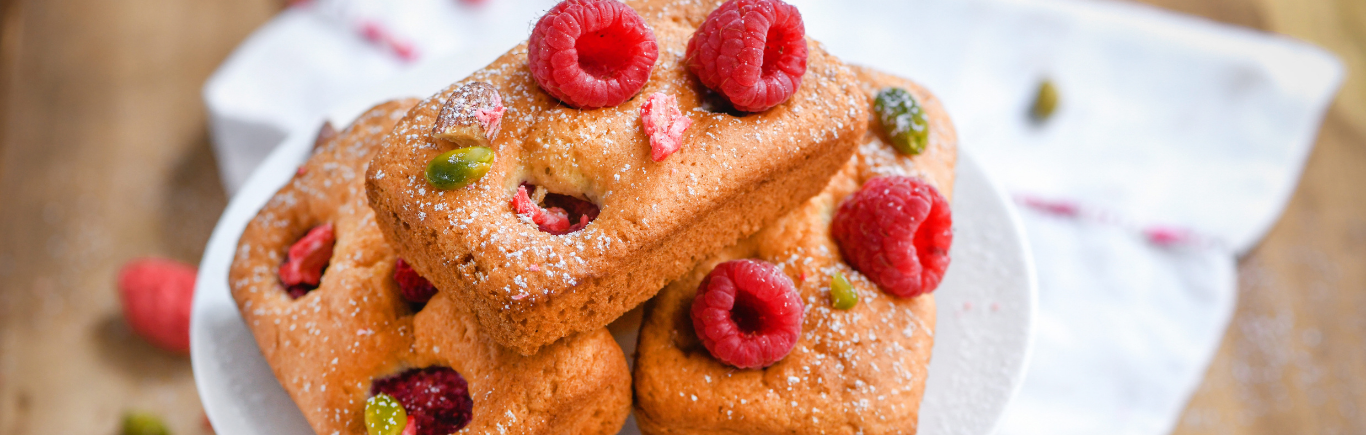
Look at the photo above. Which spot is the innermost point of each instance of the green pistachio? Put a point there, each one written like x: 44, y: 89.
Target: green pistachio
x: 903, y: 120
x: 143, y: 423
x: 459, y: 167
x: 384, y: 415
x: 1045, y: 101
x: 842, y: 294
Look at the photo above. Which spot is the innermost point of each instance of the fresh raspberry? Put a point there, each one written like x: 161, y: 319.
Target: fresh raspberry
x: 664, y: 123
x: 156, y: 296
x: 554, y: 217
x: 897, y: 231
x: 747, y: 313
x: 591, y: 53
x: 751, y: 51
x: 437, y: 399
x: 412, y: 286
x: 304, y: 264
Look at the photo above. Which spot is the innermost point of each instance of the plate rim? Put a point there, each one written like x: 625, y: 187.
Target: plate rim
x: 1031, y: 280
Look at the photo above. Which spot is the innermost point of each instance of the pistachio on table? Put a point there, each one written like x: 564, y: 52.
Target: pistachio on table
x: 1045, y: 101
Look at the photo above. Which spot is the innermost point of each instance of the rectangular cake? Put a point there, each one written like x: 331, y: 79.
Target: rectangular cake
x: 735, y: 173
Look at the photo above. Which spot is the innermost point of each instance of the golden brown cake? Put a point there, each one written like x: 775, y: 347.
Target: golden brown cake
x: 733, y: 175
x: 857, y: 371
x: 327, y: 346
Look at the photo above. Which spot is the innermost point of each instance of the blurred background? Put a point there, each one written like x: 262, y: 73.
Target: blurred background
x: 105, y: 156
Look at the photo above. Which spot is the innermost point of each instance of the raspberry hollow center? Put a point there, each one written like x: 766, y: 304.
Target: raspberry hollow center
x: 747, y: 316
x: 601, y: 53
x: 774, y: 49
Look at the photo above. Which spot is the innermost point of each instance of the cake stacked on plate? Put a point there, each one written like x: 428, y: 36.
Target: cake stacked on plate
x: 450, y: 264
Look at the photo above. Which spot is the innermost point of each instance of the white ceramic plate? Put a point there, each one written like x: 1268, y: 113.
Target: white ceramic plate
x: 986, y: 302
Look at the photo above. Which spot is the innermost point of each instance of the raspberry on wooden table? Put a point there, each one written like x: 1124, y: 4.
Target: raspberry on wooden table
x: 437, y: 399
x: 897, y: 231
x: 751, y: 51
x: 412, y: 286
x: 664, y: 124
x: 591, y: 53
x: 156, y: 295
x: 304, y: 264
x: 747, y: 313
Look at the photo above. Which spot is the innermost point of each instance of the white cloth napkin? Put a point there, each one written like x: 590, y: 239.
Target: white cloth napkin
x: 1164, y: 121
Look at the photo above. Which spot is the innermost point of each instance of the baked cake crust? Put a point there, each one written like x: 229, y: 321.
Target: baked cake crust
x: 733, y: 175
x: 857, y: 371
x: 327, y: 346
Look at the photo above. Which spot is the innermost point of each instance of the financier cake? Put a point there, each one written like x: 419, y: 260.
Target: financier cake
x: 628, y: 222
x: 859, y: 369
x: 347, y: 328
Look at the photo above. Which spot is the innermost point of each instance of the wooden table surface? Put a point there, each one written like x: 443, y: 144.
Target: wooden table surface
x: 104, y: 157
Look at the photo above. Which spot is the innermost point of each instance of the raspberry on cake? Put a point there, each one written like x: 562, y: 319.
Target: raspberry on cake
x: 896, y: 230
x: 553, y: 217
x: 591, y: 53
x: 306, y: 259
x: 664, y: 124
x: 751, y: 51
x: 747, y: 313
x: 436, y: 399
x: 533, y: 275
x: 859, y: 362
x: 411, y: 285
x: 364, y: 333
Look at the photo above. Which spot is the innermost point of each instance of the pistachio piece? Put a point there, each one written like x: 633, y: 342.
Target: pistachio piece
x: 142, y: 423
x: 842, y: 294
x: 903, y: 120
x: 384, y: 415
x: 471, y: 116
x: 1045, y: 101
x: 459, y: 167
